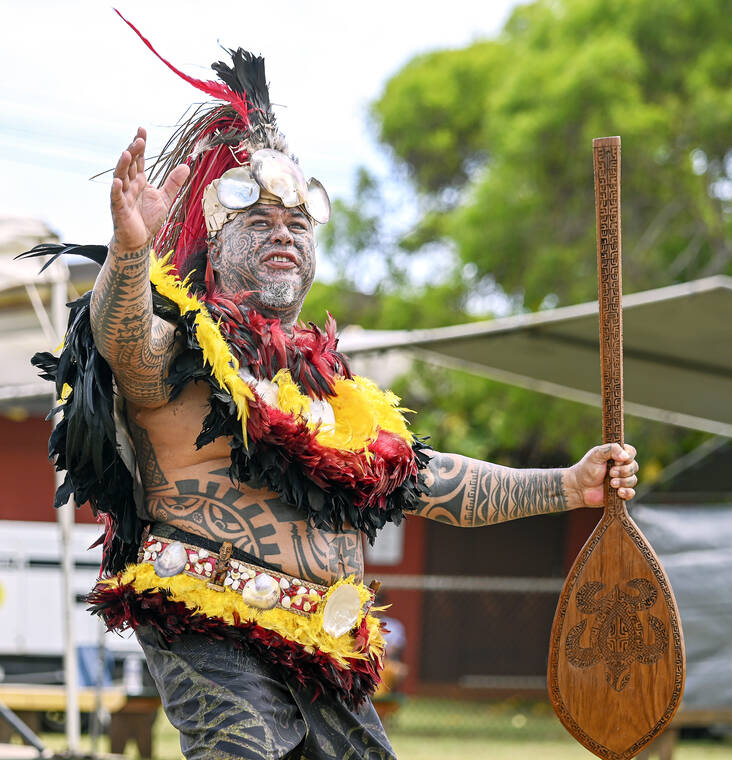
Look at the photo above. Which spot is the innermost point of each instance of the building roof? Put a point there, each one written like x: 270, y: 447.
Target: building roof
x: 702, y: 476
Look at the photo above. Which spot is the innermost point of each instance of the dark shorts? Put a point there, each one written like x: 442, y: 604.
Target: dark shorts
x: 225, y: 703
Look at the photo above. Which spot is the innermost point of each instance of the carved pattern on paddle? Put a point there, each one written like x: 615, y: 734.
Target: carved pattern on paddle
x: 608, y: 210
x: 617, y: 637
x: 557, y: 699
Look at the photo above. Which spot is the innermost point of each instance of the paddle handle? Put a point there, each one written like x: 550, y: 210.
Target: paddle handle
x: 606, y: 159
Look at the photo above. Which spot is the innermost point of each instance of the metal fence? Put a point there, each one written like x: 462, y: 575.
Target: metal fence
x: 469, y: 653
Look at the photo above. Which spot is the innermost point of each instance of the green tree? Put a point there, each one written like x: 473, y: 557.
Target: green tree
x: 495, y: 139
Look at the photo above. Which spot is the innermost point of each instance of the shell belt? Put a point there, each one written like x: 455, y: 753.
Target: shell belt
x: 258, y: 588
x: 325, y: 638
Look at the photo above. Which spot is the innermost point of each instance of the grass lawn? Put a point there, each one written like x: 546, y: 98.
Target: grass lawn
x: 433, y: 729
x: 430, y: 729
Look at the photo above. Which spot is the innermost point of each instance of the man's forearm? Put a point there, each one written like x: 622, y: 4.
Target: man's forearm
x: 470, y: 493
x: 135, y: 345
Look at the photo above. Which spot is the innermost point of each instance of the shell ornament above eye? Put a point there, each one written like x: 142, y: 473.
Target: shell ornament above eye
x: 237, y: 189
x: 281, y: 176
x: 318, y: 202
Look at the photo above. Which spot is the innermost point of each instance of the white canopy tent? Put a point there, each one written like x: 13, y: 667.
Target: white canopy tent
x: 677, y: 352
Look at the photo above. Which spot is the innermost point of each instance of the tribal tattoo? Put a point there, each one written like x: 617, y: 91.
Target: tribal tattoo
x: 215, y: 509
x: 325, y: 556
x: 269, y: 251
x: 137, y: 345
x: 259, y: 524
x: 470, y: 493
x: 150, y: 471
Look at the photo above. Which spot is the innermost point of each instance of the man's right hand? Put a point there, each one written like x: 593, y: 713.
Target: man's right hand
x: 138, y: 208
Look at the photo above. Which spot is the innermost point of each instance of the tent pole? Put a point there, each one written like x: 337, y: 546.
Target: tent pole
x: 66, y: 524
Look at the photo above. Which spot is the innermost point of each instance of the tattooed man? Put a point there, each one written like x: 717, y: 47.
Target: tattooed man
x: 247, y: 594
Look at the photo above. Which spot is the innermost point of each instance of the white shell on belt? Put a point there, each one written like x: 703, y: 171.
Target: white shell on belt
x: 171, y: 560
x: 341, y: 610
x: 262, y: 592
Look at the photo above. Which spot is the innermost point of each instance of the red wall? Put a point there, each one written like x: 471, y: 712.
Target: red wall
x: 580, y: 523
x: 406, y: 605
x: 26, y: 475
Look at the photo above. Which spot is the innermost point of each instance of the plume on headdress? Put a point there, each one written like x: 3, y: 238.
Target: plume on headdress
x: 213, y: 138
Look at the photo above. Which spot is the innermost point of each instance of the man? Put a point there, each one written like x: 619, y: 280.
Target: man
x: 247, y: 595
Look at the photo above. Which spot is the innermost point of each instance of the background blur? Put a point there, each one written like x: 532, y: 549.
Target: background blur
x: 455, y: 142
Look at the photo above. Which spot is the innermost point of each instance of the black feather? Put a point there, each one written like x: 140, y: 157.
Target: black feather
x: 96, y: 253
x: 84, y: 441
x: 246, y: 76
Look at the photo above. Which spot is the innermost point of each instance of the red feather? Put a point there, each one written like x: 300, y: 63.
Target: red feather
x: 123, y: 607
x: 210, y: 87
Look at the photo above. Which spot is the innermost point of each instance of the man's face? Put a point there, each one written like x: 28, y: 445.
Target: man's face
x: 270, y: 250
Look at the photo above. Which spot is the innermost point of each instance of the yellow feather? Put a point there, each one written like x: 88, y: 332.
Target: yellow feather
x: 360, y: 407
x: 306, y: 630
x: 289, y: 398
x: 216, y: 352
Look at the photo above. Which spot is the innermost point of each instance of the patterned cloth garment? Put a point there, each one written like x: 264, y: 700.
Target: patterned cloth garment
x: 228, y: 703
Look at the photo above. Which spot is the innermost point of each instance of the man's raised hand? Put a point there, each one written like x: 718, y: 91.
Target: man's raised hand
x: 138, y: 208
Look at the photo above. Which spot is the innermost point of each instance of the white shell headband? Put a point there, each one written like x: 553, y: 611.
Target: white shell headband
x: 270, y: 177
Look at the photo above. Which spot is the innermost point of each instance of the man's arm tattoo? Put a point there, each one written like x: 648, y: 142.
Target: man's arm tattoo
x: 470, y: 493
x: 138, y: 346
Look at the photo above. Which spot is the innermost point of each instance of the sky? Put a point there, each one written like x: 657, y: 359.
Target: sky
x: 75, y: 82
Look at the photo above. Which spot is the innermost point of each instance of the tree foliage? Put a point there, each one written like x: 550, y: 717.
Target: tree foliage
x: 509, y: 124
x: 496, y: 142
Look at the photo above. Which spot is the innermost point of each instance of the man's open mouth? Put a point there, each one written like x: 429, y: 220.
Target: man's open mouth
x: 281, y: 260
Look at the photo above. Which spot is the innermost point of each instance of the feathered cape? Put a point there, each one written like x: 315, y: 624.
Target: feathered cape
x: 364, y: 470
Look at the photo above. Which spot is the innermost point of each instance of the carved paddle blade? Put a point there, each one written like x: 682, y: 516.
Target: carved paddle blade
x: 616, y: 655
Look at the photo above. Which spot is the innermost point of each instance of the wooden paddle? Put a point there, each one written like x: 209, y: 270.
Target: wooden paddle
x: 616, y: 655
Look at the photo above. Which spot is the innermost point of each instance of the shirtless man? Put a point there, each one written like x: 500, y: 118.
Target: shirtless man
x: 270, y: 251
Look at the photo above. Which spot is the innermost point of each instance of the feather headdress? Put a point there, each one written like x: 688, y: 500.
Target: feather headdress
x: 213, y: 138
